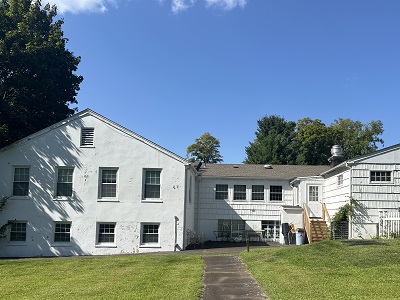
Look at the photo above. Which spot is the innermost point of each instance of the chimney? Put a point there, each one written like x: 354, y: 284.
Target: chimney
x: 337, y: 156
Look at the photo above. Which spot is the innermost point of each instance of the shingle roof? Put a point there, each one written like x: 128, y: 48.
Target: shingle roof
x: 287, y: 172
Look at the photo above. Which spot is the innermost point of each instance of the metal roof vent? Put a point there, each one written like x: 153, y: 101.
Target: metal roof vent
x: 336, y: 150
x: 236, y: 167
x: 267, y: 166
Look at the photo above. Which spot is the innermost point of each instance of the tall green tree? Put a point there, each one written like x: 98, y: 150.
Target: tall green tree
x: 308, y: 142
x: 205, y: 149
x: 37, y: 73
x: 355, y: 137
x: 273, y: 143
x: 313, y: 142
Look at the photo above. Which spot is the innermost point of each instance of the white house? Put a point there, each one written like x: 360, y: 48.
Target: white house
x: 88, y: 186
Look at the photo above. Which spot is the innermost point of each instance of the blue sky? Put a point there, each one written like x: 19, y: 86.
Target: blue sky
x: 171, y: 70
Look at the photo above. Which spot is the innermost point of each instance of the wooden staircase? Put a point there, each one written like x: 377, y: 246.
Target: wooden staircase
x: 317, y: 228
x: 318, y: 231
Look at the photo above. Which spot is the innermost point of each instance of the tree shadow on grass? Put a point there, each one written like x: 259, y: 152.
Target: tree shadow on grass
x: 363, y: 243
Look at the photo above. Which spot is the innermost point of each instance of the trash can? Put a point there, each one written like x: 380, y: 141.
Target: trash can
x: 285, y: 231
x: 300, y: 235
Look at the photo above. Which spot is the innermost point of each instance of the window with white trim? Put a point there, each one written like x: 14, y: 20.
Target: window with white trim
x: 313, y: 193
x: 150, y: 233
x: 108, y: 179
x: 62, y: 232
x: 340, y: 180
x: 221, y: 191
x: 381, y: 176
x: 239, y: 192
x: 257, y: 192
x: 275, y: 193
x: 152, y: 184
x: 18, y: 231
x: 271, y: 230
x: 105, y: 233
x: 21, y: 181
x: 64, y: 181
x: 87, y: 137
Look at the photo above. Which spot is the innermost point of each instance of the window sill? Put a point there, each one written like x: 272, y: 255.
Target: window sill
x: 105, y: 246
x: 108, y: 200
x: 152, y: 201
x: 150, y: 246
x: 20, y: 198
x: 62, y: 199
x: 59, y: 244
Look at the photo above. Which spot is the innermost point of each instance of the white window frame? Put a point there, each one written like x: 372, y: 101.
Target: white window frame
x: 238, y: 193
x: 143, y: 227
x: 113, y: 227
x: 381, y: 177
x: 221, y: 192
x: 271, y: 230
x: 152, y: 184
x: 340, y: 180
x: 14, y: 181
x: 275, y: 193
x: 101, y: 184
x: 66, y: 231
x: 14, y: 230
x: 313, y: 195
x: 257, y: 193
x: 58, y: 169
x: 87, y: 137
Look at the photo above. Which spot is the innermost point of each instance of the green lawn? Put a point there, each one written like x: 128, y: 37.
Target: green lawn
x: 329, y: 270
x: 118, y: 277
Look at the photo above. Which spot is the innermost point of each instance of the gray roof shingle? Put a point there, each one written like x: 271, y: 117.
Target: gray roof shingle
x: 286, y: 172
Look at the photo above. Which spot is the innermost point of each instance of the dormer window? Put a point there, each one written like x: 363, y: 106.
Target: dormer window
x: 87, y: 137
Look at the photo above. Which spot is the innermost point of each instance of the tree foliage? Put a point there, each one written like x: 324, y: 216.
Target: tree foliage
x: 273, y: 143
x: 205, y: 149
x: 309, y: 141
x: 37, y: 72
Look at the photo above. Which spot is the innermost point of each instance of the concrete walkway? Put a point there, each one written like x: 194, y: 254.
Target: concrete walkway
x: 226, y: 277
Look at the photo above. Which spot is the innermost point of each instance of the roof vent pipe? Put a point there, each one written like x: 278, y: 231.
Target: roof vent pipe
x: 267, y: 166
x: 337, y: 155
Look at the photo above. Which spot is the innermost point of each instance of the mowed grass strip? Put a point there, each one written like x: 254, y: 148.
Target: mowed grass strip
x: 329, y: 270
x: 117, y: 277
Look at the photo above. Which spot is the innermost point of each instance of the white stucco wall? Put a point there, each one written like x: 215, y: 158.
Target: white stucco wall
x: 112, y: 149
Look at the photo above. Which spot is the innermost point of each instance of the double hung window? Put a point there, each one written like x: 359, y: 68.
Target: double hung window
x: 64, y: 182
x: 21, y: 181
x: 152, y: 184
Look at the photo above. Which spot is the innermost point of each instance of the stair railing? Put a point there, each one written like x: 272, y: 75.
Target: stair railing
x: 307, y: 223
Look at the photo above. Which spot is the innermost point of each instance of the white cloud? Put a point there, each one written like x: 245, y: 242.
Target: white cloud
x: 181, y: 5
x: 77, y: 6
x: 226, y: 4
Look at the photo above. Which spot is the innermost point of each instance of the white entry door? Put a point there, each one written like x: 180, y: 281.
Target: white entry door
x: 314, y: 201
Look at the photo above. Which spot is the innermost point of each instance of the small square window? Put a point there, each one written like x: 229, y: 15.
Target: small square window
x: 239, y: 192
x: 62, y: 232
x: 87, y: 137
x: 21, y: 181
x: 106, y: 233
x: 221, y: 192
x: 18, y: 232
x: 150, y: 233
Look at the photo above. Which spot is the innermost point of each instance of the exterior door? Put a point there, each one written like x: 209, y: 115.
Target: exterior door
x: 314, y: 201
